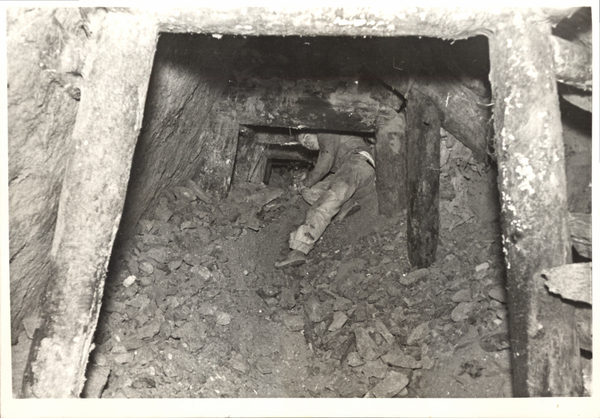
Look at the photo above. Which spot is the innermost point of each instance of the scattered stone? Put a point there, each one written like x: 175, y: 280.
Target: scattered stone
x: 366, y: 347
x: 342, y: 304
x: 223, y: 318
x: 339, y: 319
x: 394, y: 290
x: 495, y: 342
x: 206, y: 309
x: 375, y: 368
x: 124, y: 358
x: 473, y: 368
x: 287, y: 299
x: 264, y: 365
x: 159, y: 254
x: 355, y: 360
x: 144, y: 383
x: 398, y: 358
x: 385, y: 333
x: 187, y: 225
x: 175, y: 264
x: 96, y: 379
x: 146, y: 267
x: 162, y: 213
x: 427, y: 362
x: 31, y: 323
x: 391, y: 385
x: 146, y: 281
x: 502, y: 314
x: 483, y: 266
x: 388, y: 248
x: 293, y: 322
x: 201, y: 271
x: 419, y: 333
x: 497, y: 293
x: 494, y: 304
x: 463, y: 295
x: 149, y: 330
x: 349, y: 387
x: 414, y: 276
x: 183, y: 193
x: 316, y: 310
x: 133, y: 343
x: 462, y: 311
x: 145, y: 226
x: 129, y: 281
x: 269, y: 291
x: 112, y: 305
x: 238, y: 363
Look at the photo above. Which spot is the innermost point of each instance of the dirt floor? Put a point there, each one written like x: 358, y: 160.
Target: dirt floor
x: 194, y: 308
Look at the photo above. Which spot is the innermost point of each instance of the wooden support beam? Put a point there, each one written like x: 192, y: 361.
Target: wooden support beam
x: 218, y: 153
x: 573, y: 63
x: 423, y: 121
x: 314, y: 104
x: 247, y: 158
x: 390, y: 162
x: 532, y: 183
x: 465, y: 113
x: 580, y: 227
x: 91, y: 202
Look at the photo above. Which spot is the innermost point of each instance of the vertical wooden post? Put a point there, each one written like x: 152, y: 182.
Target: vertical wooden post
x: 423, y: 180
x: 218, y: 155
x: 390, y: 162
x: 532, y: 184
x: 91, y: 202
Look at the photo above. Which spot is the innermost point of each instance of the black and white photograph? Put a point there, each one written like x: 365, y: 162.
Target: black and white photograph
x: 298, y: 210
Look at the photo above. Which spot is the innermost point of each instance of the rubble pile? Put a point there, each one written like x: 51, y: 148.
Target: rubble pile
x: 194, y: 308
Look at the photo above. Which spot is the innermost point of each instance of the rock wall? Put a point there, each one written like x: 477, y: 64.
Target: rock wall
x: 188, y: 85
x: 42, y: 107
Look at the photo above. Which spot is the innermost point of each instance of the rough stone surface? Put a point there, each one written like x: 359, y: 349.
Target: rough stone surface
x: 391, y: 385
x: 38, y: 151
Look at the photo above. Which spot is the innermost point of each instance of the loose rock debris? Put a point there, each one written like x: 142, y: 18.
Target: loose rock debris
x: 194, y: 308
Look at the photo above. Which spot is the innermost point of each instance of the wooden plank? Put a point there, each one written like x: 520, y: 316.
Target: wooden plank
x: 218, y: 151
x: 465, y: 113
x: 423, y: 122
x: 91, y: 202
x: 532, y: 183
x: 390, y: 162
x: 580, y: 225
x: 334, y: 105
x: 573, y: 63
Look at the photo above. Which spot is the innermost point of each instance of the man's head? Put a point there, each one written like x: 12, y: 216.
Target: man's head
x: 309, y: 141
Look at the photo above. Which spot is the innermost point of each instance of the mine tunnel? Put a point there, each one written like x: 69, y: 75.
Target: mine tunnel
x: 407, y: 297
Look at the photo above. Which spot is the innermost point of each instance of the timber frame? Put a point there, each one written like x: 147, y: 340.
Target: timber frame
x: 524, y: 73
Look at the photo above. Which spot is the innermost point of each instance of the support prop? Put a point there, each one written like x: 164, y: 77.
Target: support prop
x: 423, y: 180
x: 532, y: 183
x: 91, y: 203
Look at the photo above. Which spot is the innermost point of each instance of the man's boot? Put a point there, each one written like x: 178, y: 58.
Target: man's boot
x: 293, y: 259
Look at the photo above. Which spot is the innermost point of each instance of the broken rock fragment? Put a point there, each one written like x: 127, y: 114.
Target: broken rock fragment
x: 293, y: 322
x: 462, y: 311
x: 391, y: 385
x: 398, y: 358
x: 418, y: 333
x: 366, y: 347
x: 316, y: 310
x: 339, y: 319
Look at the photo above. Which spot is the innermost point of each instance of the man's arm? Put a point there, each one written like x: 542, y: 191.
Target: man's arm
x: 327, y: 152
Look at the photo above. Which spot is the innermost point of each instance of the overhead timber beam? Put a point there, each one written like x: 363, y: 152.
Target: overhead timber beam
x: 307, y: 104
